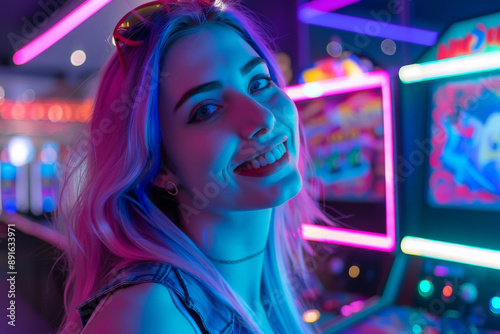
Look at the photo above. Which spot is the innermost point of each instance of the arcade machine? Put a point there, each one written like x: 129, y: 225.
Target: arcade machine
x: 33, y: 138
x: 446, y: 278
x: 348, y: 126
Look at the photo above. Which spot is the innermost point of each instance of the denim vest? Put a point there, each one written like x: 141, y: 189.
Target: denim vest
x: 202, y: 306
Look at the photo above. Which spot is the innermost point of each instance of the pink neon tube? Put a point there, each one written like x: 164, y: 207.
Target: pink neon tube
x: 58, y: 31
x: 383, y: 242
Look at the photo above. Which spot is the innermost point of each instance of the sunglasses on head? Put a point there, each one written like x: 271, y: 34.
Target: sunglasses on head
x: 130, y: 30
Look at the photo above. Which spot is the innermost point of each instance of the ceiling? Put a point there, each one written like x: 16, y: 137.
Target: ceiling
x: 22, y: 20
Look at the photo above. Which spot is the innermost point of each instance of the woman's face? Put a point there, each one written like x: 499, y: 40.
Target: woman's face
x: 208, y: 133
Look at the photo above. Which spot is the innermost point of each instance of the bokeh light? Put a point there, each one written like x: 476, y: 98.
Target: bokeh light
x: 468, y: 292
x: 334, y: 49
x: 78, y: 57
x: 21, y: 150
x: 425, y: 288
x: 495, y: 305
x: 354, y: 271
x: 311, y: 315
x: 388, y: 47
x: 447, y: 291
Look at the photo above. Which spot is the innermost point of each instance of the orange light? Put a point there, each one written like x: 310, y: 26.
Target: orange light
x: 447, y: 291
x: 354, y: 271
x: 18, y: 111
x: 55, y: 113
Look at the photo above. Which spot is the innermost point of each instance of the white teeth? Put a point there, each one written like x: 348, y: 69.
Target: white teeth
x: 282, y: 148
x: 265, y: 159
x: 262, y: 161
x: 278, y: 152
x: 270, y: 157
x: 255, y: 163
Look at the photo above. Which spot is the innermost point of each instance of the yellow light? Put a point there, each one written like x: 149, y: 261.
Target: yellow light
x: 311, y: 315
x: 354, y: 271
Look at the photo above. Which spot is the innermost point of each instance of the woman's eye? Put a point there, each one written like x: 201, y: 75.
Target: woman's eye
x: 261, y: 82
x: 206, y: 109
x: 203, y: 112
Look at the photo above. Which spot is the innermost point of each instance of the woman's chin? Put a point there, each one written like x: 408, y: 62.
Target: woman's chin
x: 276, y: 196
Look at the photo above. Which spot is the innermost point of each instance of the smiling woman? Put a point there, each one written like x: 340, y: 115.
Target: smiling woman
x: 196, y: 186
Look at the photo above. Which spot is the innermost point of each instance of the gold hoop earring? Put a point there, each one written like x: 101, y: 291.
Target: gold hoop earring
x: 176, y: 190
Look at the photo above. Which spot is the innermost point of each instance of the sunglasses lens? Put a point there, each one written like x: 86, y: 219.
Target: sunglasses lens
x: 136, y: 21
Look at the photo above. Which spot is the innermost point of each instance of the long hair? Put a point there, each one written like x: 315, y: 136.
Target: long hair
x: 113, y: 216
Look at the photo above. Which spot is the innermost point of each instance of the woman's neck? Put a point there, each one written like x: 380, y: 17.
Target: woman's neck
x: 234, y: 236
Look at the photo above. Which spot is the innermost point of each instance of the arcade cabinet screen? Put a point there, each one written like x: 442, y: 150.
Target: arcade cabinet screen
x: 465, y: 143
x: 345, y: 137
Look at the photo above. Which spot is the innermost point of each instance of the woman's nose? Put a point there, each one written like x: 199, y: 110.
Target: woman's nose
x: 254, y: 118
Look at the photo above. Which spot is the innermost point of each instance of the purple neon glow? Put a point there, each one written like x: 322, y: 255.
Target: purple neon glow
x: 58, y: 31
x: 441, y: 271
x: 329, y: 5
x: 383, y: 242
x: 367, y: 27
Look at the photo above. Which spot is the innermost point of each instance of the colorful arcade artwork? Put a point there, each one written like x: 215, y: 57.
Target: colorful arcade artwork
x: 345, y: 135
x: 465, y: 136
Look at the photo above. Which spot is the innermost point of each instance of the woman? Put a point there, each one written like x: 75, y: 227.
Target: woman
x: 182, y: 202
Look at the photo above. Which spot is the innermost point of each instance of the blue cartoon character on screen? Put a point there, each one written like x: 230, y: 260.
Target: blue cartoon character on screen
x: 472, y: 147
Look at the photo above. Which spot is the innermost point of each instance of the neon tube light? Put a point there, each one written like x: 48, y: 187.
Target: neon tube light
x: 366, y: 27
x: 58, y: 31
x: 450, y: 67
x: 383, y: 242
x: 451, y: 252
x: 328, y: 5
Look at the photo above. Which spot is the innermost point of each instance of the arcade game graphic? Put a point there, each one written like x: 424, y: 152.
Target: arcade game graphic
x: 346, y: 141
x: 465, y: 137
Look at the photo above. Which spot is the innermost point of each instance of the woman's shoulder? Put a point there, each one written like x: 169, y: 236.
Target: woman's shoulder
x: 158, y: 282
x: 142, y: 308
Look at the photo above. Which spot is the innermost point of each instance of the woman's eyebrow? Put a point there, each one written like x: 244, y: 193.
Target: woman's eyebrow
x: 213, y: 85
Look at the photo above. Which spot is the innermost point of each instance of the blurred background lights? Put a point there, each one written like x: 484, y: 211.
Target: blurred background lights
x: 336, y: 265
x: 10, y: 206
x: 21, y: 150
x: 18, y: 111
x: 29, y: 95
x: 346, y: 310
x: 334, y: 49
x: 425, y: 288
x: 78, y: 57
x: 55, y: 113
x: 441, y: 271
x: 357, y: 305
x: 48, y: 204
x: 388, y: 47
x: 311, y: 315
x: 447, y: 291
x: 8, y: 171
x: 2, y: 92
x: 495, y: 305
x: 354, y: 271
x: 313, y: 89
x: 5, y: 155
x: 416, y: 329
x: 468, y: 292
x: 49, y: 152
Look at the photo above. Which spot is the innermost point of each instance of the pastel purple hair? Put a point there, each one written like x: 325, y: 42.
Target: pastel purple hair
x: 112, y: 215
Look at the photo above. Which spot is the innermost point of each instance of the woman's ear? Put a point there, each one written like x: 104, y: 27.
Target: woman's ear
x: 163, y: 177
